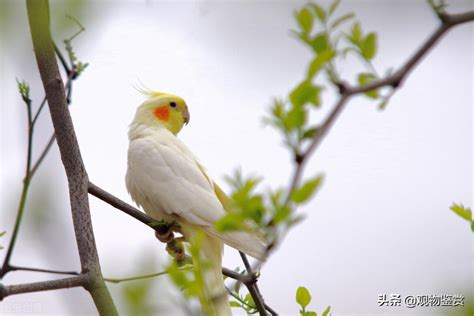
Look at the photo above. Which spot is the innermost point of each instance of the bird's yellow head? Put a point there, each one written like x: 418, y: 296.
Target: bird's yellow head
x: 163, y: 109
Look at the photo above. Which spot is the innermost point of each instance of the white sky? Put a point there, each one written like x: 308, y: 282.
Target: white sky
x: 381, y: 223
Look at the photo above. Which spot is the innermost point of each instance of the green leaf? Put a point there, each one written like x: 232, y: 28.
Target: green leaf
x: 321, y: 59
x: 304, y: 93
x: 304, y: 192
x: 303, y: 297
x: 310, y: 314
x: 229, y: 222
x: 296, y: 116
x: 305, y: 20
x: 309, y: 133
x: 295, y: 220
x: 333, y: 6
x: 366, y: 78
x: 320, y: 13
x: 234, y: 304
x: 320, y: 42
x: 356, y: 34
x: 249, y: 300
x: 281, y: 214
x: 370, y: 46
x: 326, y: 311
x: 464, y: 212
x: 341, y: 19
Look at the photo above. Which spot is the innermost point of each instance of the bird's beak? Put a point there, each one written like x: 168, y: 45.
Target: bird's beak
x: 186, y: 116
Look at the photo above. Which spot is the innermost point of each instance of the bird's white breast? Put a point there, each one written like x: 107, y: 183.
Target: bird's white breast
x: 165, y: 178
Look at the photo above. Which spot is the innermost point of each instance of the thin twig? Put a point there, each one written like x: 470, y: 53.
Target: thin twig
x: 448, y: 21
x: 31, y: 169
x: 145, y: 276
x: 19, y: 268
x: 43, y: 154
x: 252, y: 287
x: 24, y: 193
x: 43, y: 103
x: 66, y: 67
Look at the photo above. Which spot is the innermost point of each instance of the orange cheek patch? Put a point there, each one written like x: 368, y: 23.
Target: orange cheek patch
x: 162, y: 113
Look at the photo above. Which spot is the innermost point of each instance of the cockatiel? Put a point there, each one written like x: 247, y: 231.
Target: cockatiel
x: 170, y: 184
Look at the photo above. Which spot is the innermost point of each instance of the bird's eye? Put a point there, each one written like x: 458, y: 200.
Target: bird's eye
x: 173, y: 104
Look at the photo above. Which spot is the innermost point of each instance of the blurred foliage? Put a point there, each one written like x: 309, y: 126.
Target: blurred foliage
x: 303, y: 298
x: 138, y: 295
x: 59, y: 9
x: 464, y: 212
x: 267, y: 212
x: 191, y: 282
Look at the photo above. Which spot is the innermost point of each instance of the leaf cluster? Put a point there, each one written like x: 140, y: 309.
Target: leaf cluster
x: 264, y: 211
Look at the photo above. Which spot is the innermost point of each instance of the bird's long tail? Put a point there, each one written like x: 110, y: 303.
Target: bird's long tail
x: 213, y: 297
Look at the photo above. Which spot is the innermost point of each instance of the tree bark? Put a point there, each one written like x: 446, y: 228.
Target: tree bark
x: 38, y: 16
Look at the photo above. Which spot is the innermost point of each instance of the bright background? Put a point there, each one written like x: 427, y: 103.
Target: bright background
x: 381, y: 223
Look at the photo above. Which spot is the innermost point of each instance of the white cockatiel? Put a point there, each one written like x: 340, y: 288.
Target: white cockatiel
x: 169, y: 183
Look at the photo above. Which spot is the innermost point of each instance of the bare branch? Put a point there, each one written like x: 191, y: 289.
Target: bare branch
x: 41, y: 286
x: 119, y: 204
x: 19, y: 268
x: 252, y: 286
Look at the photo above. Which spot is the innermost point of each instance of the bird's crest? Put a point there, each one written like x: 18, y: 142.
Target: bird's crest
x: 148, y: 92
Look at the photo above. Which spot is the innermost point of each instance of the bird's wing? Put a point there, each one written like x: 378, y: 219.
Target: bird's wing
x: 171, y: 179
x: 168, y: 178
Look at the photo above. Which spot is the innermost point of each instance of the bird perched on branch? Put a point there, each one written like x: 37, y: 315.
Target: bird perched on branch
x: 170, y: 184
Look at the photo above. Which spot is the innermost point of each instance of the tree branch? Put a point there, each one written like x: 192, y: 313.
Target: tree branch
x: 395, y: 80
x: 38, y: 17
x: 119, y: 204
x: 41, y: 286
x: 19, y: 268
x: 24, y: 193
x: 147, y: 220
x: 252, y: 287
x: 448, y: 21
x: 346, y: 92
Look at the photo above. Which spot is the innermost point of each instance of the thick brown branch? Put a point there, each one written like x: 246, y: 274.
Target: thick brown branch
x: 38, y: 17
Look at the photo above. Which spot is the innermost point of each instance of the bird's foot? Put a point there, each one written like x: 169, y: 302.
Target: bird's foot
x: 175, y: 249
x: 164, y: 230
